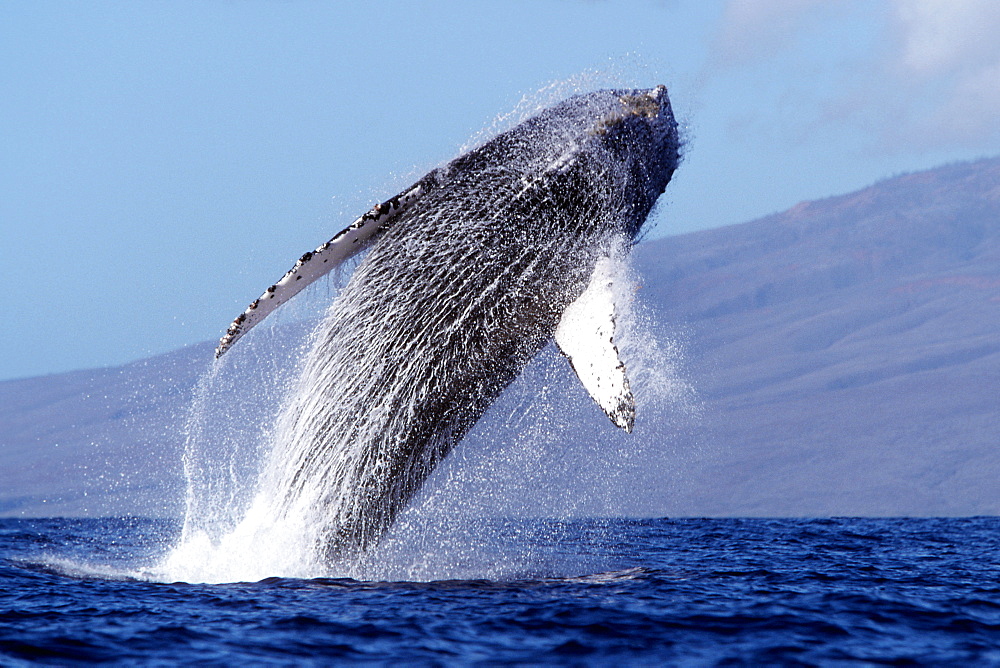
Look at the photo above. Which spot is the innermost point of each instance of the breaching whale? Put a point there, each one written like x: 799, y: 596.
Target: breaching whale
x: 468, y: 274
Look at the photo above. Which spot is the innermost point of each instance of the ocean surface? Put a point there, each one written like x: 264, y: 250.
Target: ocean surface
x: 627, y: 592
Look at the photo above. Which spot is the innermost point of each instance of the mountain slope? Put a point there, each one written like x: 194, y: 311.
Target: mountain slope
x: 846, y: 353
x: 98, y: 442
x: 848, y: 350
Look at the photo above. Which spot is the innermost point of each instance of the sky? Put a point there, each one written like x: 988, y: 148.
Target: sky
x: 161, y: 163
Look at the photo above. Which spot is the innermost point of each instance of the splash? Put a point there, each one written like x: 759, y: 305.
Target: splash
x: 306, y: 464
x: 542, y: 451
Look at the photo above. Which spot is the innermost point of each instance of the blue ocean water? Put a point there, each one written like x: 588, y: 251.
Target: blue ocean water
x: 631, y: 592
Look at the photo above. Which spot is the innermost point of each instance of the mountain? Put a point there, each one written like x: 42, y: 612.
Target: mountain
x: 844, y: 353
x: 98, y: 442
x: 848, y: 350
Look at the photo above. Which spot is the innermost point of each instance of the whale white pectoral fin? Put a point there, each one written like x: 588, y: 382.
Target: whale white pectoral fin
x: 586, y: 336
x: 316, y: 264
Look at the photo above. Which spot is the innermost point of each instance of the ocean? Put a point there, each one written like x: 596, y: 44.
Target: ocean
x: 696, y: 592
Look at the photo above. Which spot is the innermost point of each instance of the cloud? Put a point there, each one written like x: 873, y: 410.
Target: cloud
x: 752, y: 31
x: 940, y: 38
x: 948, y: 52
x: 916, y: 75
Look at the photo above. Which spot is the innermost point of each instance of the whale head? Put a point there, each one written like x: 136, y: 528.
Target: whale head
x: 639, y: 135
x: 616, y: 149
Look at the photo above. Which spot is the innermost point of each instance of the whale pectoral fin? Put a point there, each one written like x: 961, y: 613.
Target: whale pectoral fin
x: 586, y: 336
x: 315, y: 264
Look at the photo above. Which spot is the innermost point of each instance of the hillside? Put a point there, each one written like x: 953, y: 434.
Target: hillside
x: 845, y: 353
x: 847, y: 349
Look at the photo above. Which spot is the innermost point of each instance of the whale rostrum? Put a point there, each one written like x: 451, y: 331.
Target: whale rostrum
x: 468, y: 274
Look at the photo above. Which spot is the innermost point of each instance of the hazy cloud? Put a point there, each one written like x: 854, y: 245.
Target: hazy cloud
x: 928, y: 75
x: 939, y: 37
x: 753, y: 30
x: 950, y: 51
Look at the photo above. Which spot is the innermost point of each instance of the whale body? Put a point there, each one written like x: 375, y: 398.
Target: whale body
x: 469, y: 273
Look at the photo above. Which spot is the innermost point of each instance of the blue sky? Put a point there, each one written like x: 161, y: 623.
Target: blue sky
x: 163, y: 162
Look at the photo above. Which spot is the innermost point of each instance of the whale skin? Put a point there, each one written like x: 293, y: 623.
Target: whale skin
x: 467, y: 276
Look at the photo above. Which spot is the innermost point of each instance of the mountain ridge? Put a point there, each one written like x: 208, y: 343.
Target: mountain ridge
x: 845, y: 350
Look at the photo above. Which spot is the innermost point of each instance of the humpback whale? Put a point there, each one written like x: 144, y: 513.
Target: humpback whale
x: 468, y: 274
